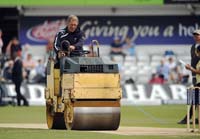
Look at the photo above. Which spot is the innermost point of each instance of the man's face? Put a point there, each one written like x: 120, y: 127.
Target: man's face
x: 197, y: 38
x: 72, y: 25
x: 15, y: 42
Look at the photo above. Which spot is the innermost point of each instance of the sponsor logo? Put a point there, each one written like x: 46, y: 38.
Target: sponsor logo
x: 46, y: 31
x: 142, y: 94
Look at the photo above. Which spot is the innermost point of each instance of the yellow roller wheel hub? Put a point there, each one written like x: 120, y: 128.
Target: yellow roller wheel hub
x: 54, y: 120
x: 68, y: 114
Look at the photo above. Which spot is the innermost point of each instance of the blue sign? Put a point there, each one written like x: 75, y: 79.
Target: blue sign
x: 143, y: 30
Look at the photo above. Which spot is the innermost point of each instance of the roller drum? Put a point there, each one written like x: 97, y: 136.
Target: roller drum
x: 96, y: 118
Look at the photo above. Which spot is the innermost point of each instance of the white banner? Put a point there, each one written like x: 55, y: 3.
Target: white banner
x: 154, y: 94
x: 141, y: 94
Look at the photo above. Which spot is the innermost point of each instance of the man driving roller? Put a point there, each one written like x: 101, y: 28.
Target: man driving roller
x: 71, y: 38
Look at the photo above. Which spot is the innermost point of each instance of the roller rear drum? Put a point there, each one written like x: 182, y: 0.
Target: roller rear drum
x: 92, y: 118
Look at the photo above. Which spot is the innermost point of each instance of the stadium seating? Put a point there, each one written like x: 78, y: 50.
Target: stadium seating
x: 138, y: 67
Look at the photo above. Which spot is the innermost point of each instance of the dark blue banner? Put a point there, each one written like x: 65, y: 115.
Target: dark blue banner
x: 181, y: 1
x: 144, y: 30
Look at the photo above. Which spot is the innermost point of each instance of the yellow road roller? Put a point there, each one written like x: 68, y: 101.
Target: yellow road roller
x: 83, y: 93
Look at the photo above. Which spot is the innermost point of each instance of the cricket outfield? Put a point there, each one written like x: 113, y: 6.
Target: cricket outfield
x: 152, y: 122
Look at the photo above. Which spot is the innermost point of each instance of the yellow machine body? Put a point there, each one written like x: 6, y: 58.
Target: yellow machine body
x: 82, y: 100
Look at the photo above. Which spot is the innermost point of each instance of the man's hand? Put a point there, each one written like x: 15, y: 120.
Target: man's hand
x: 71, y: 47
x: 187, y: 66
x: 61, y: 54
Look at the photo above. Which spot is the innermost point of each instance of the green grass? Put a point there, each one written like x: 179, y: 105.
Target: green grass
x: 31, y: 114
x: 144, y: 116
x: 148, y: 116
x: 6, y: 133
x: 153, y: 116
x: 80, y: 2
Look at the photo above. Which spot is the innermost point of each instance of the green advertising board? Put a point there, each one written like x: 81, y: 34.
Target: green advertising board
x: 79, y: 2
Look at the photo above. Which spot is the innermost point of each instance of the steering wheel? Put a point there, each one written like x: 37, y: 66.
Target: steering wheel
x: 75, y: 53
x: 65, y: 48
x: 82, y: 52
